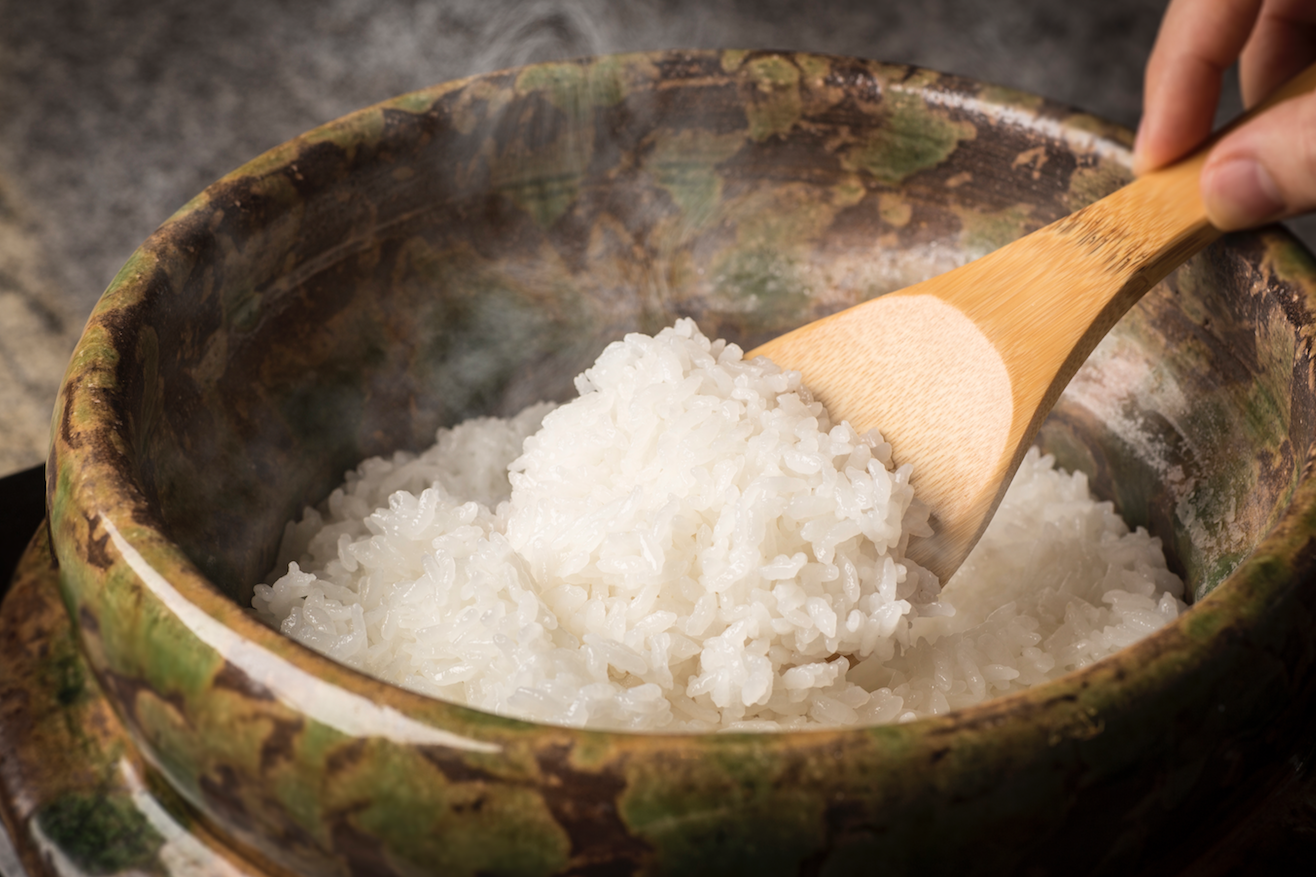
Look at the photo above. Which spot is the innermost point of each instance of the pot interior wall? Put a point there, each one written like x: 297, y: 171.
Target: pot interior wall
x: 468, y: 250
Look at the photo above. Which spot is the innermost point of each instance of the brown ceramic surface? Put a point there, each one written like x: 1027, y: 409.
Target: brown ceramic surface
x: 467, y: 249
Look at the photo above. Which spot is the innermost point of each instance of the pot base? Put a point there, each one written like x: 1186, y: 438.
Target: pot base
x: 75, y: 793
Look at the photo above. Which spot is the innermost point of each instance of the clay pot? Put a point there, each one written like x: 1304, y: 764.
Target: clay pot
x: 466, y: 250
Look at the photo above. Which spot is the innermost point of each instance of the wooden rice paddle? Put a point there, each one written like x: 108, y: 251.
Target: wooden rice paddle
x: 958, y: 372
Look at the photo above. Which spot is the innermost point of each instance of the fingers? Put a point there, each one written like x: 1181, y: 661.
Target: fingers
x: 1281, y: 45
x: 1265, y: 170
x: 1198, y: 40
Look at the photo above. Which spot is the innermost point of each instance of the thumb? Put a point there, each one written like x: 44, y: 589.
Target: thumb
x: 1265, y: 170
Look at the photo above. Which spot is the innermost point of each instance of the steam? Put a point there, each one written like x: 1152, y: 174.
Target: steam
x: 544, y: 30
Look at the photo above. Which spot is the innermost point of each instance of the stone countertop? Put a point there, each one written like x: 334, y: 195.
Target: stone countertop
x: 113, y: 113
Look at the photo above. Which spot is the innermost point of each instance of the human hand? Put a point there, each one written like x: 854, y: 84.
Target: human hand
x: 1266, y: 169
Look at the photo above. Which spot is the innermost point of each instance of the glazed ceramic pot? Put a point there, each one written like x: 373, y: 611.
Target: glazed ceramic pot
x: 466, y: 250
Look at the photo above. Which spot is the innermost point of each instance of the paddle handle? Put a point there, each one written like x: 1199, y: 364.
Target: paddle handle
x: 1115, y: 249
x: 1044, y: 303
x: 1174, y: 191
x: 1299, y: 85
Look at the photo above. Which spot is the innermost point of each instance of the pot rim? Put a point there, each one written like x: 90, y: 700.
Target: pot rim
x: 99, y: 507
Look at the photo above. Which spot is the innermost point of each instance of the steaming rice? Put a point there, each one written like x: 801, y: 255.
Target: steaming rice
x: 692, y: 545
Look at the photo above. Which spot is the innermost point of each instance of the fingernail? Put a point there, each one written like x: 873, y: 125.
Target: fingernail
x: 1240, y: 193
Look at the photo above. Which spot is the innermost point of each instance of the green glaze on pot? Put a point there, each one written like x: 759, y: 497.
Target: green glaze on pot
x: 912, y: 138
x: 467, y: 250
x: 103, y: 834
x: 774, y: 104
x: 77, y: 794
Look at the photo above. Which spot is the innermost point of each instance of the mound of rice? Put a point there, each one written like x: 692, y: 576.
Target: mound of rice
x: 692, y: 545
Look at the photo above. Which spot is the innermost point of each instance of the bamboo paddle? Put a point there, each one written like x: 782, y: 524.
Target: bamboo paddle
x: 957, y: 372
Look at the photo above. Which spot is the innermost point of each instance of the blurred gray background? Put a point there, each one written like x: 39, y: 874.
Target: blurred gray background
x: 113, y: 113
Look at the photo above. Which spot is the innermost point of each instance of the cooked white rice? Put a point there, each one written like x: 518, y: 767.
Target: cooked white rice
x: 691, y: 545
